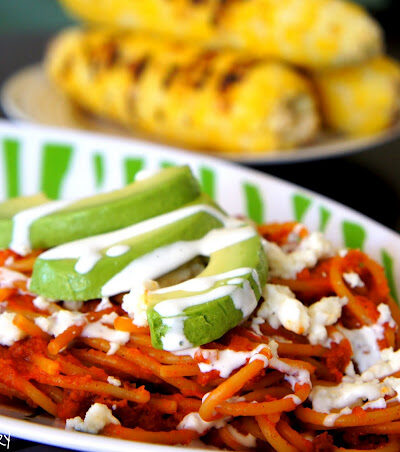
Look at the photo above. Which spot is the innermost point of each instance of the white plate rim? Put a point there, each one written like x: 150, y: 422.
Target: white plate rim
x: 74, y: 440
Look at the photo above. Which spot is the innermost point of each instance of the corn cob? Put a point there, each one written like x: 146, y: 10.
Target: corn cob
x: 219, y: 100
x: 360, y: 100
x: 309, y: 33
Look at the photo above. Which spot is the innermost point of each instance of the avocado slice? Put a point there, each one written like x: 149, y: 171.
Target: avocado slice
x: 189, y: 314
x: 10, y: 208
x: 180, y: 317
x: 67, y: 221
x: 113, y: 263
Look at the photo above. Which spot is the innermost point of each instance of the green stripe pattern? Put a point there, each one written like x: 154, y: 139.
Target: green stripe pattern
x: 11, y: 156
x: 56, y: 160
x: 324, y: 218
x: 208, y: 181
x: 99, y: 170
x: 388, y: 265
x: 301, y: 205
x: 254, y: 203
x: 166, y: 164
x: 354, y: 235
x: 132, y: 167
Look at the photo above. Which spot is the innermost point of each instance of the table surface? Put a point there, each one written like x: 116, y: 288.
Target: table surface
x: 357, y: 181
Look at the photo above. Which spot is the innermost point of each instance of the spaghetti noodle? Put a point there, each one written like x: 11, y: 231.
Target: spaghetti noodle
x: 313, y: 369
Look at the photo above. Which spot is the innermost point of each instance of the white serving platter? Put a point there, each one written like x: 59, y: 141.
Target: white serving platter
x: 66, y: 164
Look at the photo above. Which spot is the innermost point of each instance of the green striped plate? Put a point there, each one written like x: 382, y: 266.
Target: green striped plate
x: 65, y: 164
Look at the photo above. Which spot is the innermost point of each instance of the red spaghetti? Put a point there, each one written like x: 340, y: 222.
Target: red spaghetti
x: 268, y: 401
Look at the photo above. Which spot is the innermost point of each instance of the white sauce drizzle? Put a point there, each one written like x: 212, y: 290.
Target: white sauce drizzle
x: 117, y: 250
x: 226, y: 361
x: 165, y: 259
x: 152, y: 265
x: 204, y: 283
x: 248, y: 440
x: 173, y: 316
x: 22, y: 221
x: 98, y: 330
x: 364, y: 341
x: 330, y: 420
x: 80, y: 248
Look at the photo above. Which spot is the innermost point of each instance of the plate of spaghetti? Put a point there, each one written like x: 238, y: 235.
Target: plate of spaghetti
x: 160, y: 300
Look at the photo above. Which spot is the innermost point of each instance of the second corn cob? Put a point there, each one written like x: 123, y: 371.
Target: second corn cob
x: 360, y: 100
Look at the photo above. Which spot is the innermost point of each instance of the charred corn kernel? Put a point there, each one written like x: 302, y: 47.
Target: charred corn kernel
x: 310, y: 33
x: 361, y: 100
x: 219, y: 100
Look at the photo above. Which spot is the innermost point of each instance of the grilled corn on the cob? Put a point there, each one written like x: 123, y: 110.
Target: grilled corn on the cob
x: 220, y: 100
x: 361, y: 100
x: 310, y: 33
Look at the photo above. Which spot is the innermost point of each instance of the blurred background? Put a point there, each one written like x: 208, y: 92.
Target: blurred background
x: 27, y: 25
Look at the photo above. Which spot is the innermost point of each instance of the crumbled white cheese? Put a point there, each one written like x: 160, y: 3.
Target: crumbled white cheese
x: 350, y: 371
x: 9, y: 261
x: 385, y: 315
x: 249, y: 441
x: 365, y: 347
x: 96, y: 418
x: 193, y: 421
x: 8, y: 278
x: 353, y: 279
x: 44, y: 304
x: 135, y: 303
x: 343, y: 252
x: 325, y: 312
x: 282, y: 308
x: 310, y: 250
x: 9, y: 333
x: 105, y: 303
x: 109, y: 319
x: 59, y: 321
x: 114, y: 381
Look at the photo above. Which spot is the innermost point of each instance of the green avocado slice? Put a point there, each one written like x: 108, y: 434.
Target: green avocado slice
x: 10, y: 208
x: 180, y: 318
x: 166, y: 191
x: 58, y: 273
